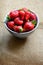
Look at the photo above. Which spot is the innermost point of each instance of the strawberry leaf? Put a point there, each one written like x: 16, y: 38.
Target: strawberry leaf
x: 21, y: 29
x: 29, y: 10
x: 34, y: 22
x: 8, y: 18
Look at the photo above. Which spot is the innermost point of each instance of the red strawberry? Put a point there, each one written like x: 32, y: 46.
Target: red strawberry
x: 25, y: 9
x: 27, y: 15
x: 14, y: 14
x: 18, y: 21
x: 22, y: 14
x: 28, y: 26
x: 22, y: 17
x: 10, y: 24
x: 32, y: 17
x: 18, y: 28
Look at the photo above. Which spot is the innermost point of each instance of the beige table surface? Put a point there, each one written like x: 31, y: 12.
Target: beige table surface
x: 15, y: 51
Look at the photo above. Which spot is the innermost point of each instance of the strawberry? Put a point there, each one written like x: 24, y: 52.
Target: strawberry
x: 13, y: 14
x: 25, y: 9
x: 22, y: 17
x: 28, y: 26
x: 10, y: 24
x: 18, y: 21
x: 18, y: 28
x: 27, y: 15
x: 32, y: 16
x: 22, y: 14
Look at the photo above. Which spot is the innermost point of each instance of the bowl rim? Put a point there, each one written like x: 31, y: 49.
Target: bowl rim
x: 23, y: 32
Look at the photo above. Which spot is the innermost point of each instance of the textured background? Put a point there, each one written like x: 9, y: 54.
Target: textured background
x: 14, y: 51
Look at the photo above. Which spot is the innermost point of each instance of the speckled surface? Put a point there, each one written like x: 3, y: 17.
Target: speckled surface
x: 15, y: 51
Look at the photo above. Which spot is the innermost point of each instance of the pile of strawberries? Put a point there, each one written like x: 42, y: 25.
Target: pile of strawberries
x: 21, y: 20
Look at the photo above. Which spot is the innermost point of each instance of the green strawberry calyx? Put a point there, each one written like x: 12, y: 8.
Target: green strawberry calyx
x: 8, y: 18
x: 34, y: 22
x: 21, y: 29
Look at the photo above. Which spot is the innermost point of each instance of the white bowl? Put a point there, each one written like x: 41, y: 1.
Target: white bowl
x: 24, y: 34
